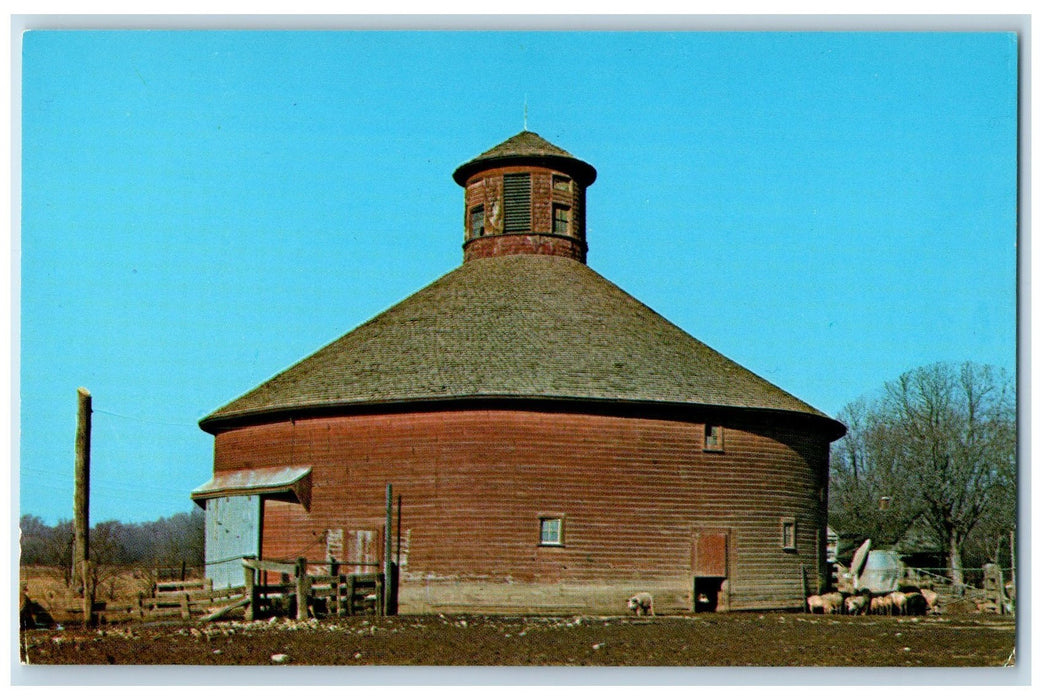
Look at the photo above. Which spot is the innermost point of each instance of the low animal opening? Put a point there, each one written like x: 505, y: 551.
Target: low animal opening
x: 707, y: 593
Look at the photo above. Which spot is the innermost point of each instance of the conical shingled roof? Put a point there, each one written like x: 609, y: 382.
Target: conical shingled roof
x: 518, y: 326
x: 527, y: 147
x: 526, y: 143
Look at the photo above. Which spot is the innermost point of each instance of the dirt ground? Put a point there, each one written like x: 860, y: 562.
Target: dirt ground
x: 735, y: 639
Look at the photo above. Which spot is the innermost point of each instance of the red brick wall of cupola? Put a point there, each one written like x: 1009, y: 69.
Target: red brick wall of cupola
x: 634, y: 495
x: 494, y: 246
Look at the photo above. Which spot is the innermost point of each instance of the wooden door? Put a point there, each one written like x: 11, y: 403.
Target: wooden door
x: 232, y: 528
x: 709, y: 553
x: 365, y: 550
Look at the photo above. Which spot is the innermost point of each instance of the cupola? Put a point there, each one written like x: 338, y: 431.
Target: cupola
x: 525, y: 196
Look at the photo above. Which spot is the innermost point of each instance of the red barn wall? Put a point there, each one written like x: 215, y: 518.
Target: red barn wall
x: 633, y: 492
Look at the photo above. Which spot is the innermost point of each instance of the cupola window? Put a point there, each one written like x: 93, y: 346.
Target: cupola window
x: 562, y: 183
x: 562, y: 218
x: 477, y: 221
x: 517, y: 202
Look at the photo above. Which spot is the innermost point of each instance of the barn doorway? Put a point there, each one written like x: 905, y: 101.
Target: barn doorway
x: 707, y: 593
x: 710, y: 553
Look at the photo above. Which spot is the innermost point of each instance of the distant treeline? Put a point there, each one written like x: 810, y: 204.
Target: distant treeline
x: 167, y: 542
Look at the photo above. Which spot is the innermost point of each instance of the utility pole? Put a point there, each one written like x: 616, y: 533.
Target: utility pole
x: 81, y: 494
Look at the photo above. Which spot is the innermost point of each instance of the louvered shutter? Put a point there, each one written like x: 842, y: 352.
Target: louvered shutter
x: 517, y: 200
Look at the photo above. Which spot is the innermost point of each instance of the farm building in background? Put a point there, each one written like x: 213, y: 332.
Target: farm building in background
x: 557, y: 445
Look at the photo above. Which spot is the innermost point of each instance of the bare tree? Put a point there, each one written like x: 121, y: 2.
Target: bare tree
x: 869, y: 496
x: 940, y: 444
x: 169, y: 541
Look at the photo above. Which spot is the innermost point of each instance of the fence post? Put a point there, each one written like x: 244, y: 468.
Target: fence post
x: 391, y: 589
x: 303, y: 588
x: 1002, y: 591
x: 387, y: 547
x: 334, y: 572
x: 381, y: 594
x: 251, y: 589
x: 806, y: 591
x: 1013, y: 560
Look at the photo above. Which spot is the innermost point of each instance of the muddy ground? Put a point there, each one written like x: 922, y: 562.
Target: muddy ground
x: 736, y: 639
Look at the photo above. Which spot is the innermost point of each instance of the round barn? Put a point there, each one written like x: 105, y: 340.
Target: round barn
x: 556, y: 444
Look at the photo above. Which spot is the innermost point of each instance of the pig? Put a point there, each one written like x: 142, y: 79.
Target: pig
x: 857, y: 604
x: 833, y: 602
x: 931, y: 599
x: 880, y: 605
x: 641, y: 604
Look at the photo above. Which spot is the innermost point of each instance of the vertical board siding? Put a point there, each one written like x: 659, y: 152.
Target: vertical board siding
x: 632, y: 492
x: 232, y: 531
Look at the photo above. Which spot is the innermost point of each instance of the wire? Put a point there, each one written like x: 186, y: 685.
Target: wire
x: 143, y: 420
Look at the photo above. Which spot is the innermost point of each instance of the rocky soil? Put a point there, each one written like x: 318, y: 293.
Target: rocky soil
x: 736, y: 639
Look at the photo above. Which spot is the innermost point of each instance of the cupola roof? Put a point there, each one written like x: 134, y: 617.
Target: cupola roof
x: 527, y: 147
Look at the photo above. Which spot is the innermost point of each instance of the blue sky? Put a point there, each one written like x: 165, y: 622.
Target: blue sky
x: 202, y: 209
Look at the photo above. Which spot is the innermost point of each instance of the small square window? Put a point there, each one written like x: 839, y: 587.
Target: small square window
x: 562, y: 218
x: 788, y: 534
x: 562, y: 183
x: 477, y: 221
x: 714, y: 438
x: 551, y: 531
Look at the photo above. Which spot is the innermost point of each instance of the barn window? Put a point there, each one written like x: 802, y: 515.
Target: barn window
x: 562, y: 183
x: 788, y: 534
x: 551, y: 532
x: 477, y: 221
x: 562, y: 215
x: 714, y: 438
x: 517, y: 201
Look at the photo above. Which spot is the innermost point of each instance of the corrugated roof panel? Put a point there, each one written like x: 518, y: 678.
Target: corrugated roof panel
x: 241, y: 482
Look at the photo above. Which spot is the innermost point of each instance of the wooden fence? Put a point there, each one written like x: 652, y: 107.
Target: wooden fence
x: 323, y: 594
x: 324, y: 590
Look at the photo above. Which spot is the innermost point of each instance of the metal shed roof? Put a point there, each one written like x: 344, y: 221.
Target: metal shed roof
x: 291, y: 481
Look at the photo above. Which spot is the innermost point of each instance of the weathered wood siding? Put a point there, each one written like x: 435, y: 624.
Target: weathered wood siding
x: 232, y: 532
x: 632, y: 492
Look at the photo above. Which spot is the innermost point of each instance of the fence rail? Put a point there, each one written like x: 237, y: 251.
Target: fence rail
x: 301, y: 593
x: 271, y: 587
